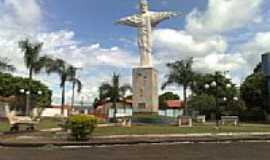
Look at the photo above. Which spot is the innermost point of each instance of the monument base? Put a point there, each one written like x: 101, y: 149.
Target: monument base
x: 145, y: 90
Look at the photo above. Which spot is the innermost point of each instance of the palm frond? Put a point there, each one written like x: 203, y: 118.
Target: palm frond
x: 105, y: 90
x: 180, y: 73
x: 4, y: 66
x: 124, y: 89
x: 31, y: 52
x: 79, y: 85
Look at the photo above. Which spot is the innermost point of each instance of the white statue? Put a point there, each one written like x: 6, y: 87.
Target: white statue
x: 145, y: 21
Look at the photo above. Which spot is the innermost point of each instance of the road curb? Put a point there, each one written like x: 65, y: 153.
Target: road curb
x: 94, y: 142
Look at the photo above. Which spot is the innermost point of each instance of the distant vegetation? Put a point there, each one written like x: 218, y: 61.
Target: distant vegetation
x: 254, y: 93
x: 249, y: 101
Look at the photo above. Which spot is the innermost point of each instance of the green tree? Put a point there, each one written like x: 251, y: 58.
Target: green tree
x: 33, y: 62
x: 114, y: 91
x: 4, y: 66
x: 222, y: 85
x: 181, y: 74
x: 11, y: 85
x: 64, y: 71
x: 203, y: 103
x: 165, y: 97
x: 254, y: 93
x: 204, y: 100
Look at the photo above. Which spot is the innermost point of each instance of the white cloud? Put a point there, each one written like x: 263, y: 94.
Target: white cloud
x: 255, y: 47
x: 180, y: 44
x: 18, y: 18
x: 63, y: 45
x: 224, y: 15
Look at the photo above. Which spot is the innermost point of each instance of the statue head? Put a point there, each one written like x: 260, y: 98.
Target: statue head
x: 143, y: 6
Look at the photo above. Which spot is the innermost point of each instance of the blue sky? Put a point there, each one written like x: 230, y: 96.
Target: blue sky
x: 93, y: 20
x: 219, y: 34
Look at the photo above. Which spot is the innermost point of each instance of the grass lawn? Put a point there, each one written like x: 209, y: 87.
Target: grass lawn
x: 154, y: 129
x: 209, y: 128
x: 44, y: 124
x: 4, y: 126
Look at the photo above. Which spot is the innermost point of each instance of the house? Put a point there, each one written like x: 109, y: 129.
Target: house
x: 55, y: 111
x: 174, y: 108
x: 78, y: 109
x: 106, y: 111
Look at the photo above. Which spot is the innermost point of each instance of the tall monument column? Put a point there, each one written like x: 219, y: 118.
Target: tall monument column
x: 145, y: 76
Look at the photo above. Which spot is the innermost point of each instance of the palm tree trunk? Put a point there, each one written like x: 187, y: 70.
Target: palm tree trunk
x: 125, y: 108
x: 73, y: 95
x: 185, y: 100
x: 31, y: 73
x: 115, y: 110
x: 63, y: 99
x: 28, y: 96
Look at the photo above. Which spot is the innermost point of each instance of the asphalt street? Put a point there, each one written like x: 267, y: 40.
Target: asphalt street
x: 204, y: 151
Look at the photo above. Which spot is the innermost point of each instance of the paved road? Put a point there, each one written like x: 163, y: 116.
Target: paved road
x: 232, y: 151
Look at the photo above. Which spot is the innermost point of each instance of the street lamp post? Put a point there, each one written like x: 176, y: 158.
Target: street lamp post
x: 27, y: 100
x: 214, y: 84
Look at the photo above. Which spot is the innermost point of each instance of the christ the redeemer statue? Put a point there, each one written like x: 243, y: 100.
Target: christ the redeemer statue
x: 145, y: 21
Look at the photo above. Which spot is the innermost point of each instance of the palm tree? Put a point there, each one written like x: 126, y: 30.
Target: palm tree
x: 31, y: 55
x: 75, y: 82
x: 4, y: 66
x: 180, y: 73
x: 114, y: 91
x: 65, y: 73
x: 33, y: 62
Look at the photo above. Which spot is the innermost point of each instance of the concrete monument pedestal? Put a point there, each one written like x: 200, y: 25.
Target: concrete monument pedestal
x: 145, y: 90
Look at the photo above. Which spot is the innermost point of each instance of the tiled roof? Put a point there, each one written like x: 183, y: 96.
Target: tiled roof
x: 175, y: 104
x: 7, y: 99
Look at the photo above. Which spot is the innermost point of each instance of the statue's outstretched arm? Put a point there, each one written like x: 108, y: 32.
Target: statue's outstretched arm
x: 132, y: 21
x: 157, y: 17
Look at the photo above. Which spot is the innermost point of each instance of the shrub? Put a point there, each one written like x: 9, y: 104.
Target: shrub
x: 81, y: 126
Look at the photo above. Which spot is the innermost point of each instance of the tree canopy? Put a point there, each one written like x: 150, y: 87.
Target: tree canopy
x: 254, y: 93
x: 204, y: 99
x: 11, y: 86
x: 31, y: 55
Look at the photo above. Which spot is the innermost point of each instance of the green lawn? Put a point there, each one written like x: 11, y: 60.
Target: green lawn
x: 210, y: 128
x: 44, y: 124
x: 154, y: 129
x: 4, y: 126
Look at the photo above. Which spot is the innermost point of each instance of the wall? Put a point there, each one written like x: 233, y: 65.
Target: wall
x: 2, y: 110
x: 51, y: 112
x: 120, y: 111
x: 171, y: 112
